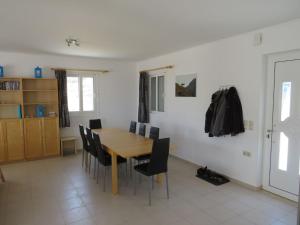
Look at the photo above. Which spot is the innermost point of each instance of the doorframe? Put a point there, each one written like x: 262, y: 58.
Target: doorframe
x: 269, y: 108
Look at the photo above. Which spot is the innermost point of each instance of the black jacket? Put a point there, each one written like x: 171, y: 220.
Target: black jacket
x: 224, y: 115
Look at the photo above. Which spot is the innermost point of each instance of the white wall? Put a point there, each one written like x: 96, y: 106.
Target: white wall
x: 116, y: 92
x: 233, y: 61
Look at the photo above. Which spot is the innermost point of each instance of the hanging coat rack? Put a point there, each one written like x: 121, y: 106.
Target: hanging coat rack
x: 159, y: 68
x: 225, y: 86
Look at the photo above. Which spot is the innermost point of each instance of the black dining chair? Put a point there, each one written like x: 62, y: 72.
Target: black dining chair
x: 142, y: 129
x: 158, y: 164
x: 92, y: 150
x: 154, y: 134
x: 95, y: 124
x: 132, y: 128
x: 142, y: 132
x: 85, y: 145
x: 104, y: 158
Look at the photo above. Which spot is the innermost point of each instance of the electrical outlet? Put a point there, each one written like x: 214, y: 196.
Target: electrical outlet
x: 247, y: 153
x: 246, y: 124
x: 250, y: 125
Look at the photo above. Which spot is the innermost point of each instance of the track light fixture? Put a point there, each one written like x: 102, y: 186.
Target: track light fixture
x: 72, y: 42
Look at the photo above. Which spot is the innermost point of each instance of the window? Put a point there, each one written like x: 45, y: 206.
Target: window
x: 286, y: 100
x: 283, y: 152
x: 80, y: 93
x: 73, y: 94
x: 157, y: 89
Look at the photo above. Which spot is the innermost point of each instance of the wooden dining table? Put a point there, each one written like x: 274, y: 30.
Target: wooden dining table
x: 120, y: 142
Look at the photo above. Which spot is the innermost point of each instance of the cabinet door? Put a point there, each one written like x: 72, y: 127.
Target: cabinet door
x: 51, y: 136
x: 14, y: 139
x: 33, y: 138
x: 2, y: 142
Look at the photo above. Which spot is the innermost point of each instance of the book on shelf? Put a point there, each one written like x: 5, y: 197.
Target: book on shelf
x: 9, y: 85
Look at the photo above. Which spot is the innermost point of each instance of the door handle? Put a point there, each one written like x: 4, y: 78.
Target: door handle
x: 269, y: 132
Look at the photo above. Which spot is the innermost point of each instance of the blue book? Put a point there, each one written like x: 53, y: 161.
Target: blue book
x: 40, y: 111
x: 1, y: 71
x: 19, y: 112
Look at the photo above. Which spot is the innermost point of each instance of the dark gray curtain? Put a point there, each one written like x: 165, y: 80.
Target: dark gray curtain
x: 64, y: 117
x: 143, y: 114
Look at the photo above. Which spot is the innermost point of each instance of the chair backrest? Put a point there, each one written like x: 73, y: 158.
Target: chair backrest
x: 142, y: 129
x: 83, y: 137
x: 132, y: 127
x: 100, y: 151
x: 154, y: 133
x: 95, y: 124
x: 159, y: 156
x: 90, y: 139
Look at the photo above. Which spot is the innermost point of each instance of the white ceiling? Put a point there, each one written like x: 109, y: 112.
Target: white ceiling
x: 132, y: 29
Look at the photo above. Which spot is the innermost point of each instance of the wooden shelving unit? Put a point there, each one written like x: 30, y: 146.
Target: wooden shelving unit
x: 24, y: 135
x: 39, y: 92
x: 10, y: 91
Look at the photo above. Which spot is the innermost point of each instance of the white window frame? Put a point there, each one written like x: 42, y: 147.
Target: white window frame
x: 150, y: 93
x: 80, y: 76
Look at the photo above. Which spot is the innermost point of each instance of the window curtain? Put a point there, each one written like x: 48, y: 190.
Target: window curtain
x: 143, y: 113
x: 64, y: 117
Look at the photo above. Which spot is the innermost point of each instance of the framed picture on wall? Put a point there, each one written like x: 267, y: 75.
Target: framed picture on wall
x: 186, y: 85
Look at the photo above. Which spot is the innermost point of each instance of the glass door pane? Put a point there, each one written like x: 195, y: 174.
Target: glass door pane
x: 160, y: 99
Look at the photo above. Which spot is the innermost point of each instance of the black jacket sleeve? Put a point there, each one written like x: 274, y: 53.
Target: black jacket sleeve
x: 236, y: 113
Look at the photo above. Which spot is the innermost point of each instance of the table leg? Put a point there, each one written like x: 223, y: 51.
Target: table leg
x: 2, y: 176
x: 159, y: 178
x: 114, y: 174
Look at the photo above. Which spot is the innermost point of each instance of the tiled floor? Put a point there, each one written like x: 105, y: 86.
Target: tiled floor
x: 58, y: 192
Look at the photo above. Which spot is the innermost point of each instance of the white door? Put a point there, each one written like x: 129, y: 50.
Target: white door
x: 283, y: 129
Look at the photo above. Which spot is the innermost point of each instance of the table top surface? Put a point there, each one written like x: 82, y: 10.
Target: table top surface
x: 124, y: 143
x: 71, y: 138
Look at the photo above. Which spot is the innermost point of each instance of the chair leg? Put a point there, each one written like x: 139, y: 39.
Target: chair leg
x: 104, y: 178
x: 152, y: 181
x: 90, y: 162
x: 167, y: 185
x: 82, y: 163
x: 98, y: 172
x: 140, y: 176
x: 126, y: 173
x: 95, y: 167
x: 150, y: 188
x: 130, y: 167
x: 134, y: 182
x: 86, y: 161
x: 2, y: 176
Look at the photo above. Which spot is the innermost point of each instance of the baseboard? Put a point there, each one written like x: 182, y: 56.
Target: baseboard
x: 248, y: 186
x: 241, y: 183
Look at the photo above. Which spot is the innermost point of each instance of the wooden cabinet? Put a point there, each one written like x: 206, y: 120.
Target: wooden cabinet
x: 2, y: 142
x: 11, y: 140
x: 24, y: 134
x: 33, y: 138
x: 14, y: 139
x: 51, y: 136
x: 41, y: 137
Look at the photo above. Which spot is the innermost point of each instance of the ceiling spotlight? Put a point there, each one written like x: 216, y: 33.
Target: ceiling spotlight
x: 72, y: 42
